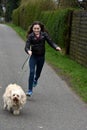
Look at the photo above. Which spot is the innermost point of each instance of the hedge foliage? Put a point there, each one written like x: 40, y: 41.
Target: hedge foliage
x: 15, y: 17
x: 25, y: 14
x: 54, y: 20
x: 30, y: 11
x: 57, y: 25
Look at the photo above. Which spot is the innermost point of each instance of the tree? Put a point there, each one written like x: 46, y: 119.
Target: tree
x: 0, y: 8
x: 68, y: 3
x: 10, y: 6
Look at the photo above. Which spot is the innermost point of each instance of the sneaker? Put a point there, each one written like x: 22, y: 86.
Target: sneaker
x: 34, y: 83
x: 29, y: 93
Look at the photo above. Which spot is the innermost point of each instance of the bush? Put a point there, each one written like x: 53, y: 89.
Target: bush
x: 57, y: 24
x: 15, y: 17
x: 26, y: 14
x: 30, y: 11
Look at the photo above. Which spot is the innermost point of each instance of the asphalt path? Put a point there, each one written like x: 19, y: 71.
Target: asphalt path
x: 53, y: 105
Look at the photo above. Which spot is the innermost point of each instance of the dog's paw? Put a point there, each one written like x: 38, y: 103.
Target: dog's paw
x: 16, y: 112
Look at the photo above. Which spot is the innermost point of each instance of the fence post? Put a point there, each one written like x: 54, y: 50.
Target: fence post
x: 69, y: 32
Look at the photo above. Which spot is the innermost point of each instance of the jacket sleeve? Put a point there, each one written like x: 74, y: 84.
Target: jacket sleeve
x: 27, y: 45
x: 50, y: 42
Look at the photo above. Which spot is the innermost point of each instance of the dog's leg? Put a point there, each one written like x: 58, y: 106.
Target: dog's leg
x: 5, y: 106
x: 9, y: 105
x: 8, y: 108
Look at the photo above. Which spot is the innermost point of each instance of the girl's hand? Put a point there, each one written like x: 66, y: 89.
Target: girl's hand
x: 30, y: 52
x: 58, y: 48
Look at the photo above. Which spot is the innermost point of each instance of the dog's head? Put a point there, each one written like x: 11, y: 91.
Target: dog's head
x: 15, y: 96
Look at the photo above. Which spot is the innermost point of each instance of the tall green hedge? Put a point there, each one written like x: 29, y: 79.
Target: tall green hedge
x: 26, y: 14
x: 15, y: 17
x: 55, y: 21
x: 57, y: 25
x: 30, y: 11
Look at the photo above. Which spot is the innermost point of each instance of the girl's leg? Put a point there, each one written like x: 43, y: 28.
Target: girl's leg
x: 32, y: 63
x: 39, y: 66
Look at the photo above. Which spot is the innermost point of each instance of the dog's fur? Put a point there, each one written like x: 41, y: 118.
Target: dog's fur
x: 14, y: 98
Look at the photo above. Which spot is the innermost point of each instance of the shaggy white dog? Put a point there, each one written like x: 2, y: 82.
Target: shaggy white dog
x: 14, y: 98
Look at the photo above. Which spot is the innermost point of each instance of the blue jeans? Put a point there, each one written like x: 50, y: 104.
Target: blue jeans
x: 36, y: 64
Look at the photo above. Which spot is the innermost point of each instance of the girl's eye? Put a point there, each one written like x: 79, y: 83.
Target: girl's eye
x: 36, y: 28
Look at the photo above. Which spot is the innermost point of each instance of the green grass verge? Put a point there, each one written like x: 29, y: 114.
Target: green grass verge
x: 72, y: 72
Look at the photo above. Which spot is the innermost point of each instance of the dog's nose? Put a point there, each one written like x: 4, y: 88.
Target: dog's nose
x: 15, y: 99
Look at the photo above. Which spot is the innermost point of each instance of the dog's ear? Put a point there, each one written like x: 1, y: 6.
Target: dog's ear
x: 9, y: 94
x: 23, y: 99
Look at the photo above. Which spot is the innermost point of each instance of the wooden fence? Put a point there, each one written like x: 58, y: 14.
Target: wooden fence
x: 78, y: 39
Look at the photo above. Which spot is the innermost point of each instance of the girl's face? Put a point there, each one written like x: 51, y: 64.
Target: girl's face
x: 36, y: 29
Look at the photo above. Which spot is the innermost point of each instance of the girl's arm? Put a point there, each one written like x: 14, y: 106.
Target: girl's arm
x: 27, y: 47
